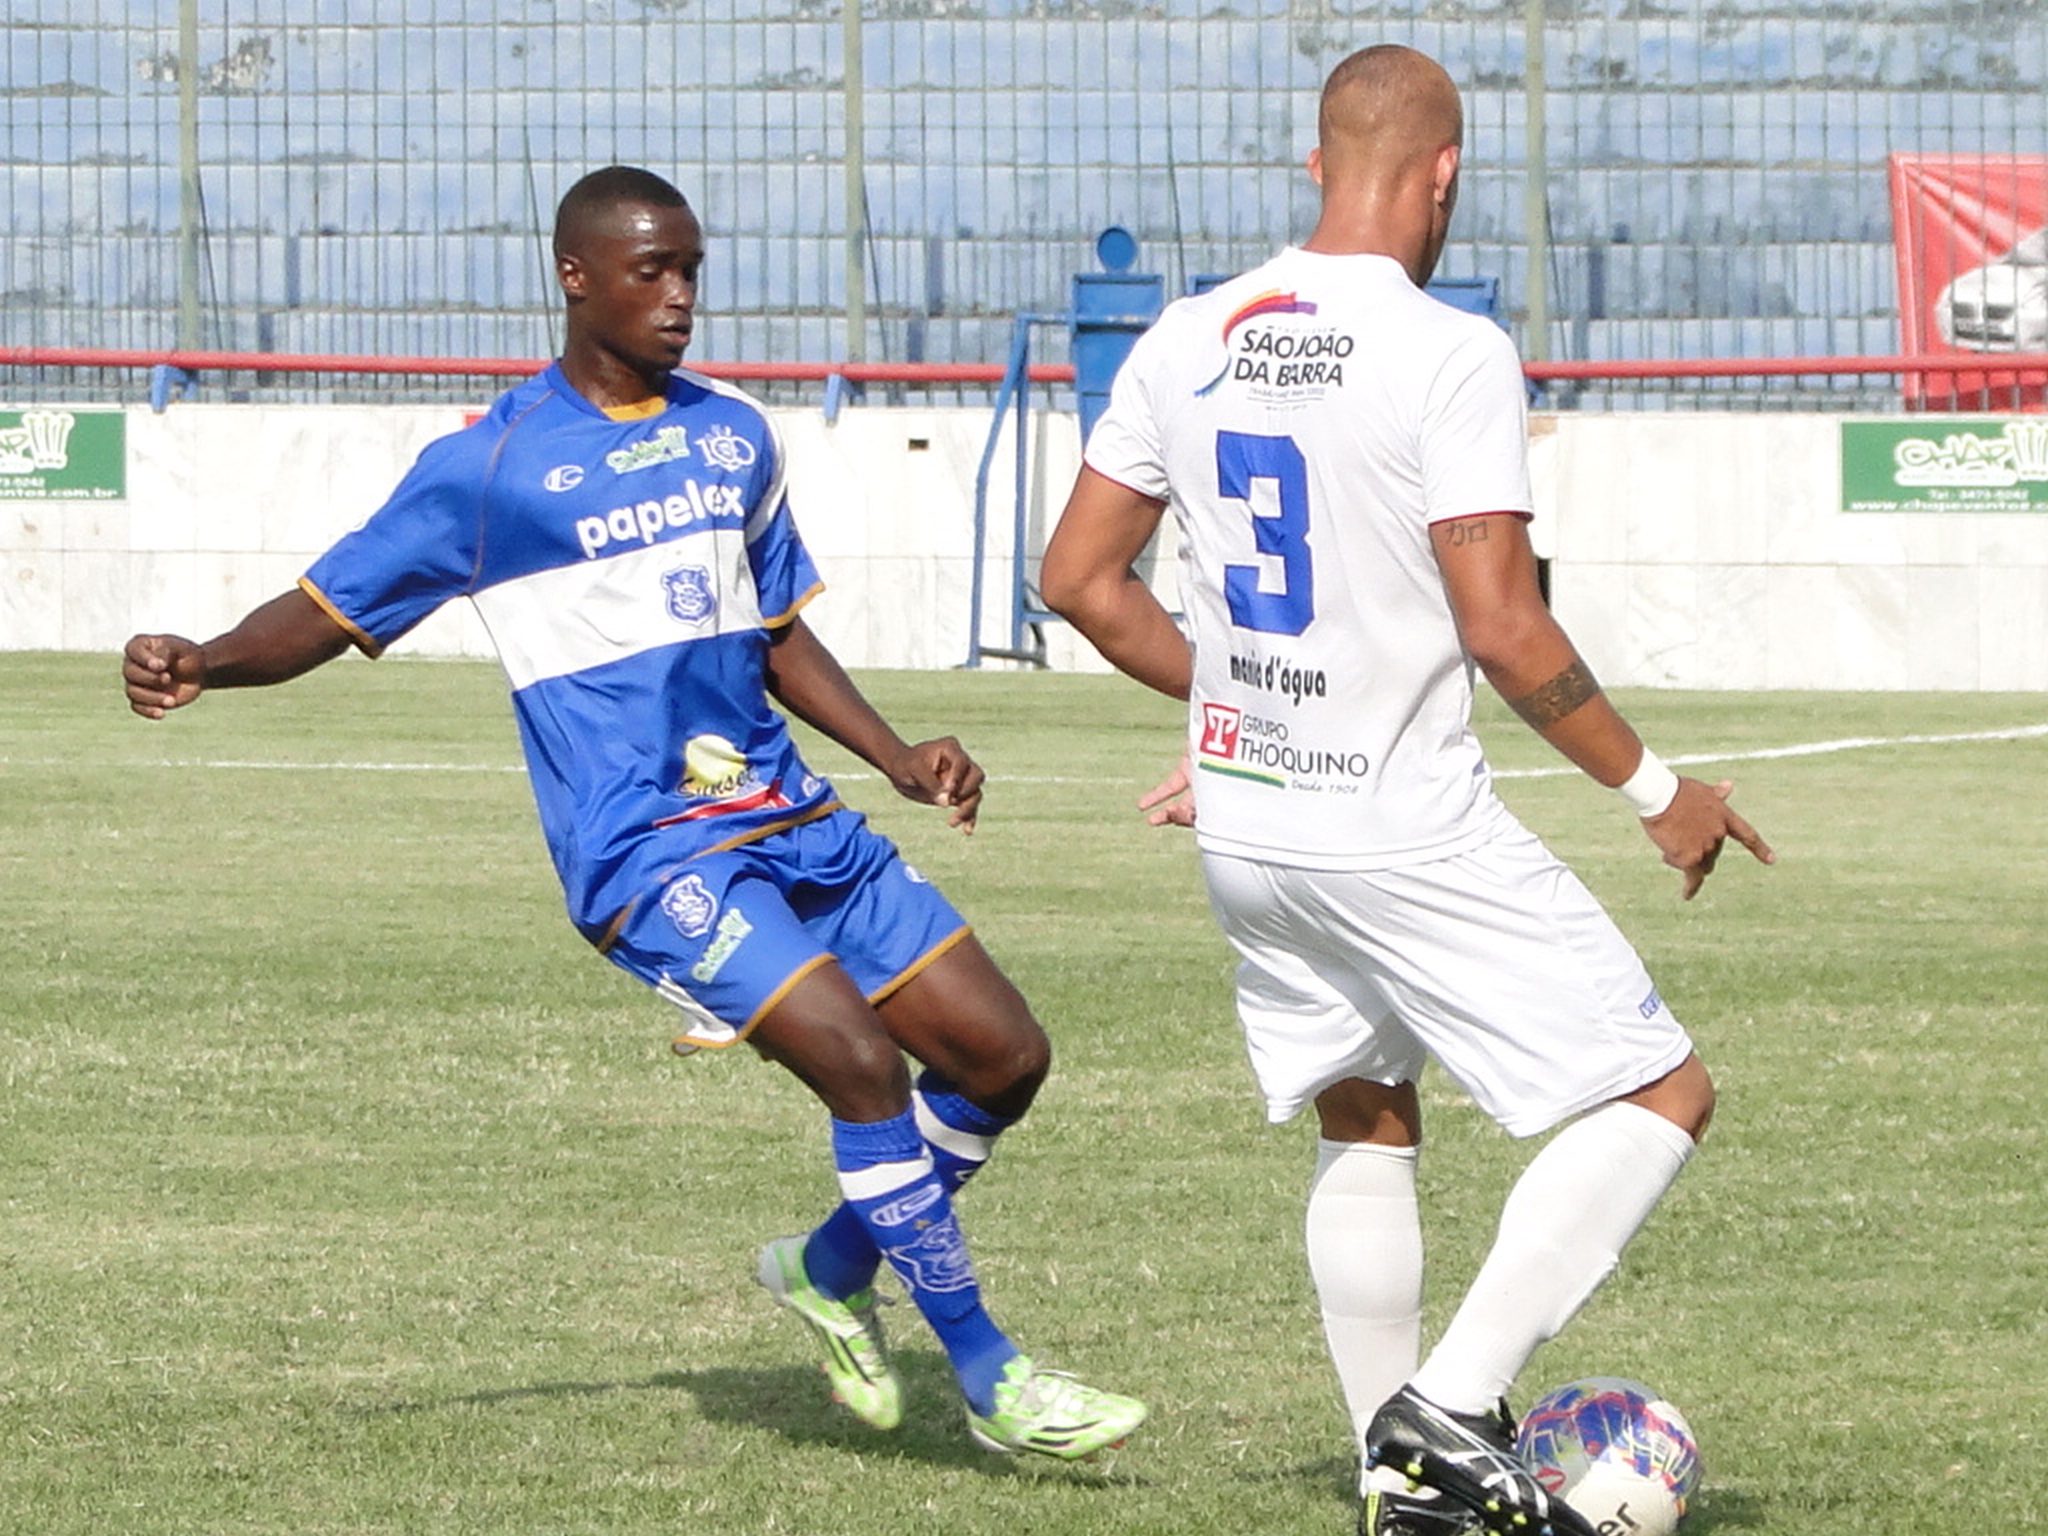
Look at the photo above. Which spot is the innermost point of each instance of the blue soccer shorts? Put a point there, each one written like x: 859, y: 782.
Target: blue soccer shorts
x: 734, y: 930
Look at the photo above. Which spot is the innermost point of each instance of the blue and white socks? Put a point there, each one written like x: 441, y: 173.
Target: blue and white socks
x: 840, y: 1256
x: 891, y: 1183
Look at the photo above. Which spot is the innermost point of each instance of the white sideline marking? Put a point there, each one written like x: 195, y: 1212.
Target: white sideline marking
x: 1808, y: 749
x: 1759, y: 754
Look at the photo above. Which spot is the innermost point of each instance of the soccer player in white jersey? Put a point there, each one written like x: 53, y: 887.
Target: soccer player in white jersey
x: 620, y: 524
x: 1346, y: 461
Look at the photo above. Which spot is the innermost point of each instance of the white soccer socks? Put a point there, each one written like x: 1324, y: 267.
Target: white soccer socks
x: 1561, y: 1233
x: 1365, y: 1254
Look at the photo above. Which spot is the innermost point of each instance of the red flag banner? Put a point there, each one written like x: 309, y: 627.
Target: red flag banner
x: 1971, y: 236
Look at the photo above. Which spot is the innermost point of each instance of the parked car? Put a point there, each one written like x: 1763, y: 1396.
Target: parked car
x: 2001, y: 306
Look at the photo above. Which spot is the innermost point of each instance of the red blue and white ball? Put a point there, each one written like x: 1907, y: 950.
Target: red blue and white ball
x: 1615, y: 1451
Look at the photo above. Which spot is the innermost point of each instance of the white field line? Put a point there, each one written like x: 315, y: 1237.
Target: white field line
x: 1759, y: 754
x: 1809, y: 749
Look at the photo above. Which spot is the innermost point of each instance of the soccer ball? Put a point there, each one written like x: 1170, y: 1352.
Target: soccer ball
x: 1616, y: 1452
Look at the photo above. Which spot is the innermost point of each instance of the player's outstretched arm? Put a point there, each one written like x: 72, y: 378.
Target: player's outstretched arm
x: 808, y: 681
x: 161, y: 673
x: 289, y: 635
x: 1490, y: 577
x: 1087, y: 578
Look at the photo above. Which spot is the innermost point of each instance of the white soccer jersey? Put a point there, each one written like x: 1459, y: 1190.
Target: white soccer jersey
x: 1308, y: 422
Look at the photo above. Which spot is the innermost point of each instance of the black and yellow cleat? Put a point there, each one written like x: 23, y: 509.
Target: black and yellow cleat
x: 1386, y: 1513
x: 1469, y: 1458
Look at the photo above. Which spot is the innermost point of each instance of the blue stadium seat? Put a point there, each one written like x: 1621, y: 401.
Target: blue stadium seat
x: 1474, y: 295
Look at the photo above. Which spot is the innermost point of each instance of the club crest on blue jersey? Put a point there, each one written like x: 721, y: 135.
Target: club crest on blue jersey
x: 725, y: 448
x: 690, y: 906
x: 691, y: 597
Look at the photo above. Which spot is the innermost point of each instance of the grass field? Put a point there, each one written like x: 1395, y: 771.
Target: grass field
x: 342, y: 1189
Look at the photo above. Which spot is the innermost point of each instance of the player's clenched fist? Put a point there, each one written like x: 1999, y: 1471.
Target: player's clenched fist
x: 939, y: 772
x: 161, y: 672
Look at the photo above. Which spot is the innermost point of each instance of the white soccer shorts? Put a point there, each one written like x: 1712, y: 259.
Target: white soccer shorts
x: 1498, y: 962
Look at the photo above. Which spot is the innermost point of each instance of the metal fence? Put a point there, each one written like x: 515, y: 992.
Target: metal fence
x: 893, y: 182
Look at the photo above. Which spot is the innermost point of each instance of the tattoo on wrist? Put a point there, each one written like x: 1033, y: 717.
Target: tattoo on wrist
x: 1543, y: 707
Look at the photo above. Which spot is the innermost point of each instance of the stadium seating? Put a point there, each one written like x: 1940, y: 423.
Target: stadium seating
x: 1716, y: 173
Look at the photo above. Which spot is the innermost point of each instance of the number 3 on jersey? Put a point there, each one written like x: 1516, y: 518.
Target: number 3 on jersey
x: 1241, y: 459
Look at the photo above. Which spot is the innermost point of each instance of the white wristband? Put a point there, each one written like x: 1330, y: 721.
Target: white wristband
x: 1651, y: 788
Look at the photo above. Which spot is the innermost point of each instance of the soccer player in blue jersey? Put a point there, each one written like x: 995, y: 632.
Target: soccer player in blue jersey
x: 621, y: 525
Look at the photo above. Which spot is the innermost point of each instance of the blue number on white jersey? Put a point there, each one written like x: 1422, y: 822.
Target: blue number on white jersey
x: 1241, y: 458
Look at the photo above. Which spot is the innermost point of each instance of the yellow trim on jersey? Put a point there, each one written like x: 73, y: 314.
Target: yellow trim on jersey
x: 770, y: 830
x: 357, y: 637
x: 769, y: 1003
x: 788, y: 615
x: 910, y: 972
x: 646, y: 410
x: 610, y: 937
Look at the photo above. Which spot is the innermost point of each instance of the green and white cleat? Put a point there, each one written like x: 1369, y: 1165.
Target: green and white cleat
x: 856, y: 1361
x: 1051, y: 1414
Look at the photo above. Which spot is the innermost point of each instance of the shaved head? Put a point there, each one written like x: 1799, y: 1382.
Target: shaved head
x: 1385, y: 108
x: 589, y: 206
x: 1389, y: 135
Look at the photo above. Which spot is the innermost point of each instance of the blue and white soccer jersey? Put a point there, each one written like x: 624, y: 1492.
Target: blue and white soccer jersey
x: 1309, y: 422
x: 631, y: 571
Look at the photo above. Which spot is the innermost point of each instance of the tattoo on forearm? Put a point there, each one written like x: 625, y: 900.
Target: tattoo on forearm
x: 1543, y: 707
